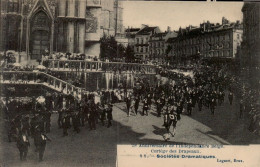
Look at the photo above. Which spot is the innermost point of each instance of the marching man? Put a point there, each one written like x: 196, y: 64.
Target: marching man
x: 145, y: 106
x: 23, y: 144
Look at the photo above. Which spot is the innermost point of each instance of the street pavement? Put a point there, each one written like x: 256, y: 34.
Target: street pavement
x: 98, y: 148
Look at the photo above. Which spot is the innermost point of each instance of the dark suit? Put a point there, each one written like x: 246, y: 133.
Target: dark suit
x: 41, y: 140
x: 76, y: 122
x: 23, y: 144
x: 137, y: 100
x: 109, y: 116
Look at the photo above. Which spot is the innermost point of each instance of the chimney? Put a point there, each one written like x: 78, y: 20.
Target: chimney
x: 168, y: 29
x: 224, y: 21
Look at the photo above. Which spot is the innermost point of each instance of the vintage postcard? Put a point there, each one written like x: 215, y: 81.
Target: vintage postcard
x: 129, y: 83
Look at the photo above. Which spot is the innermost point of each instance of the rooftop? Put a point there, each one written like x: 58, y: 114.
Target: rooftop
x: 208, y: 28
x: 146, y: 30
x: 132, y: 30
x: 161, y: 34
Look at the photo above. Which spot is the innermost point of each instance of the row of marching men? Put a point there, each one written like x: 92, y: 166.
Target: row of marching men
x: 206, y: 92
x: 82, y: 112
x: 36, y: 121
x: 183, y: 95
x: 22, y: 126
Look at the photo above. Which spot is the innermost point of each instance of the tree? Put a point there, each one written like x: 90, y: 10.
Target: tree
x: 120, y: 51
x: 108, y: 48
x: 129, y: 54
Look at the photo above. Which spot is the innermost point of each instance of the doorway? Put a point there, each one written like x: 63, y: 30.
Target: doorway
x: 40, y: 35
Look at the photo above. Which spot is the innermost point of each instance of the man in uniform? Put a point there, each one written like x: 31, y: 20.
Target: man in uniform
x: 33, y: 124
x: 145, y: 106
x: 47, y: 121
x: 132, y: 105
x: 242, y: 108
x: 159, y: 107
x: 212, y: 105
x: 172, y: 120
x: 76, y: 121
x: 137, y: 101
x: 40, y: 122
x: 92, y: 114
x: 65, y: 124
x: 103, y: 114
x: 128, y: 103
x: 109, y: 115
x: 26, y: 125
x: 23, y: 144
x: 230, y: 97
x: 200, y: 103
x: 189, y: 107
x: 85, y: 110
x: 149, y: 100
x: 179, y: 110
x: 41, y: 139
x: 61, y: 112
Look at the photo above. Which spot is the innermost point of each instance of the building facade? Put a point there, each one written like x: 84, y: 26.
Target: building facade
x: 75, y: 26
x: 251, y: 35
x: 250, y: 50
x: 130, y: 35
x: 111, y: 17
x: 142, y: 38
x: 158, y: 47
x: 208, y: 40
x: 170, y: 49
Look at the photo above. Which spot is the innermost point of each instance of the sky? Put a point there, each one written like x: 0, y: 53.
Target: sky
x: 176, y: 14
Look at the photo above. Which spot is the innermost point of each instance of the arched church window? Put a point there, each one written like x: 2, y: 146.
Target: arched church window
x: 13, y: 6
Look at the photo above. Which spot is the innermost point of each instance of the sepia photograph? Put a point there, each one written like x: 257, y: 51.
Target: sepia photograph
x: 91, y: 83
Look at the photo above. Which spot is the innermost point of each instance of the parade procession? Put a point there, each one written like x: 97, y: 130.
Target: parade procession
x: 173, y: 95
x: 76, y: 83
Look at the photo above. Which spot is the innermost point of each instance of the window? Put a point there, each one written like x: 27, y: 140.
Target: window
x: 227, y: 45
x: 238, y: 37
x: 221, y: 53
x: 66, y: 8
x: 227, y: 36
x: 228, y: 53
x: 13, y: 6
x: 137, y: 40
x: 215, y: 54
x: 76, y: 8
x: 225, y: 53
